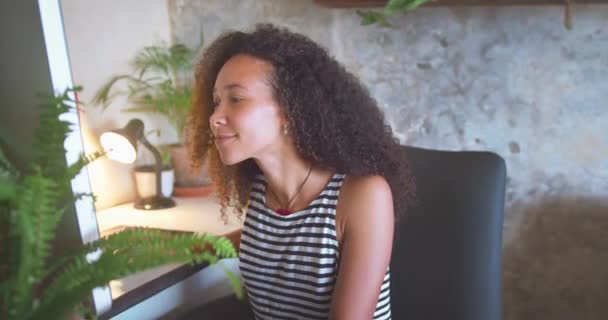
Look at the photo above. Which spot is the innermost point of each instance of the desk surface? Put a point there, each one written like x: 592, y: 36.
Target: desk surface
x: 190, y: 214
x: 197, y: 214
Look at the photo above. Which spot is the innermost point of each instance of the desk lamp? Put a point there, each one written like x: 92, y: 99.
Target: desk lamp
x: 121, y: 146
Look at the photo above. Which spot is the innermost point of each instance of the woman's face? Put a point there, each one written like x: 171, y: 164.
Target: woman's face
x: 247, y: 120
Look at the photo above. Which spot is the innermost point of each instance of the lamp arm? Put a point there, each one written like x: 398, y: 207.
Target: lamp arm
x: 158, y: 163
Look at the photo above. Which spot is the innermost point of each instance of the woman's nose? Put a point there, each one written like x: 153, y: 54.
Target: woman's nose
x: 217, y: 119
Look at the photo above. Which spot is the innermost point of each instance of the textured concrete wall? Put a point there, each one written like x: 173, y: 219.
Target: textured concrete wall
x: 510, y: 80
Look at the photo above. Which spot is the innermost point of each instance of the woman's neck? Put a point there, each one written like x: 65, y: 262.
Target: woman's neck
x: 284, y: 171
x: 285, y: 177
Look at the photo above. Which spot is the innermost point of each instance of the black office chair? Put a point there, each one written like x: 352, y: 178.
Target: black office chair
x: 446, y: 261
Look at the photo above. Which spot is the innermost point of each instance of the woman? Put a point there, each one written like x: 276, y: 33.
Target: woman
x: 297, y: 141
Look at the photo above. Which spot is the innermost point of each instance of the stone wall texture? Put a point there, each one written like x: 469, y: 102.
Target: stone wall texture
x: 511, y: 80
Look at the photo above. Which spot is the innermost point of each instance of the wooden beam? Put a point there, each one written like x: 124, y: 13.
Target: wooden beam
x: 381, y: 3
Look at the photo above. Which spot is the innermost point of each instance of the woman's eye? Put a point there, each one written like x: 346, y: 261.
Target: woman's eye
x: 235, y: 99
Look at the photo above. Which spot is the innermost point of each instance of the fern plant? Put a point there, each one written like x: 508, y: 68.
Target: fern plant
x: 158, y: 83
x: 34, y: 285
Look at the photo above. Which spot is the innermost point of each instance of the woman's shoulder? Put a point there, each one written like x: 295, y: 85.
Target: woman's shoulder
x: 365, y: 195
x: 360, y: 188
x: 364, y: 202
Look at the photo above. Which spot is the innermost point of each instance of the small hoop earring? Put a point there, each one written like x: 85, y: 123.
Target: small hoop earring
x: 285, y: 129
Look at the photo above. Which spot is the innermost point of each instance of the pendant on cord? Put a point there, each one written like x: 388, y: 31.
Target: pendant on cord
x: 283, y: 212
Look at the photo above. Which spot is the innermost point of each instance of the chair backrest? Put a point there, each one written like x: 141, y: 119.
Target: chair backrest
x: 446, y: 261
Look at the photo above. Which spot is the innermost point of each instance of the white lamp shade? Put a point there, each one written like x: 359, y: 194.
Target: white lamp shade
x: 118, y: 147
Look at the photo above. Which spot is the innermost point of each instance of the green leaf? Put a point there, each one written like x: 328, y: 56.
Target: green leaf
x: 75, y: 168
x: 141, y: 109
x: 50, y: 134
x: 7, y: 188
x: 371, y: 17
x: 7, y: 169
x: 36, y: 223
x: 127, y: 252
x: 235, y: 282
x: 393, y: 6
x: 157, y: 83
x: 105, y: 95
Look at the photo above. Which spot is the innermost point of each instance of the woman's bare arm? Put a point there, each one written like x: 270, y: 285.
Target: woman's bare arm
x: 366, y: 209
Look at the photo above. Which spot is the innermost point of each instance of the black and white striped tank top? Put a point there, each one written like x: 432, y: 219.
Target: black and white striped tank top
x: 289, y: 263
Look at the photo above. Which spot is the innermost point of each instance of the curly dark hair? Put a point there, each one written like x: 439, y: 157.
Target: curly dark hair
x: 332, y: 117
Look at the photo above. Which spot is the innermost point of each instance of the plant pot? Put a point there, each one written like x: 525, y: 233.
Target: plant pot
x: 201, y: 191
x: 145, y: 180
x: 185, y: 177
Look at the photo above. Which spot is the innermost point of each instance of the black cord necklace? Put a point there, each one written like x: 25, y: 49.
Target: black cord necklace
x: 284, y: 210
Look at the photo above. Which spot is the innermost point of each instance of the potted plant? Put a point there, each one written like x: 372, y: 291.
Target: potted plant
x: 34, y: 285
x: 160, y: 83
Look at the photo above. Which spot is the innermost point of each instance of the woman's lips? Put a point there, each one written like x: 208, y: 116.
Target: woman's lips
x: 221, y: 140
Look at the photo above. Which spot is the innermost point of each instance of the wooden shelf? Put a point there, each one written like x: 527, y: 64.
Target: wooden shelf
x: 381, y: 3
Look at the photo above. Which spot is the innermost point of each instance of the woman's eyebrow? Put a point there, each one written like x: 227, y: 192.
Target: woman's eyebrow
x: 231, y: 86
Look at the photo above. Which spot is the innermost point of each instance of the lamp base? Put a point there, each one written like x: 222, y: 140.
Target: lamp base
x: 154, y: 203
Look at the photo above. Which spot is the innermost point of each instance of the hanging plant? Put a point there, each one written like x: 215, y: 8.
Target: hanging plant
x: 391, y: 7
